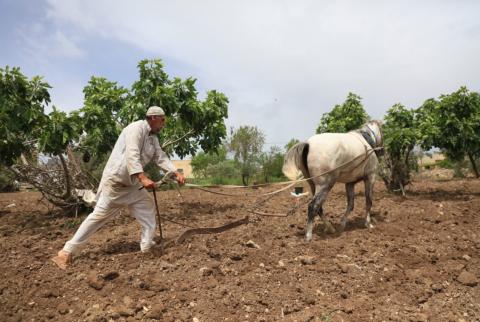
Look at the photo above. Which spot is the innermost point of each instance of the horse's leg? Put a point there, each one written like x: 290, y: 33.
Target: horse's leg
x: 350, y: 188
x: 369, y: 182
x: 312, y: 210
x: 329, y: 229
x: 315, y: 207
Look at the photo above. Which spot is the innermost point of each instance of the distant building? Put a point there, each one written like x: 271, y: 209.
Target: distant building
x: 184, y: 166
x: 430, y: 159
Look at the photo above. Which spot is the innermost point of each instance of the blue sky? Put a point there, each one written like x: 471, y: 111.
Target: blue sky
x: 281, y: 63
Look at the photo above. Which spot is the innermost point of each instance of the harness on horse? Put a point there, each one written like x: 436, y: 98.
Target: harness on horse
x: 367, y: 138
x: 371, y: 139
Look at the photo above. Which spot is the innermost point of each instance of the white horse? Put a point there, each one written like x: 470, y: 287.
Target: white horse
x: 330, y: 157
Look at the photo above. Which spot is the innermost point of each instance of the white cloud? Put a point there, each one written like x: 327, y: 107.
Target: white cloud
x: 284, y: 63
x: 42, y: 44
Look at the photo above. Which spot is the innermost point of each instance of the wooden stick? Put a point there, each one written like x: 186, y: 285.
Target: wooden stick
x: 158, y: 214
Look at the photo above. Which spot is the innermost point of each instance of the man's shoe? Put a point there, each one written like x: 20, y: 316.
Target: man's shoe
x: 63, y: 259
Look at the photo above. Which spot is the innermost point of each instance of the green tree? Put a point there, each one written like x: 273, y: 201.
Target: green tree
x: 246, y: 143
x: 452, y: 124
x: 7, y: 180
x: 191, y: 124
x: 201, y: 161
x: 400, y: 137
x: 291, y: 143
x: 343, y: 118
x: 223, y: 172
x: 271, y: 163
x: 100, y: 116
x: 22, y: 103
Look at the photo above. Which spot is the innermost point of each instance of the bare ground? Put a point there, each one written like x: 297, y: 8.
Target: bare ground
x: 421, y: 262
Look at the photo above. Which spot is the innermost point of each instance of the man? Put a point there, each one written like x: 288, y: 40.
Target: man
x: 122, y: 180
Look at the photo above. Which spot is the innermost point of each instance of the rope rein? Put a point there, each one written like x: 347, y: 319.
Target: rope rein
x: 368, y: 152
x: 168, y: 178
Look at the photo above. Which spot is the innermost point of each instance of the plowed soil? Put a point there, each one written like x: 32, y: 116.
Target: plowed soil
x: 421, y: 261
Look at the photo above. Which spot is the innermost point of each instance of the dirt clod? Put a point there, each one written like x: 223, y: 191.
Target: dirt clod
x: 467, y: 278
x: 94, y: 281
x: 306, y: 260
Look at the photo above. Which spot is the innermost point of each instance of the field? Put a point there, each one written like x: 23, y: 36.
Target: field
x: 421, y: 262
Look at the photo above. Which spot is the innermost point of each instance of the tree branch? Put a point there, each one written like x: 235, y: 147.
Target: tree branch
x: 170, y: 142
x: 68, y: 183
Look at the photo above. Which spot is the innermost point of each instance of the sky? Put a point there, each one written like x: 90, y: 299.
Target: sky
x: 282, y: 64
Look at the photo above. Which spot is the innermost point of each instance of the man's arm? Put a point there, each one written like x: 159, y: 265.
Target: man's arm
x: 145, y: 181
x: 133, y: 143
x: 163, y: 161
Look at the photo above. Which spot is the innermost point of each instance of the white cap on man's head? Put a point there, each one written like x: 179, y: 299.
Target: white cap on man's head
x: 155, y: 110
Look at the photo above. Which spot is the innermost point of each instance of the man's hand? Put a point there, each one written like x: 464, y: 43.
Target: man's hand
x: 180, y: 178
x: 145, y: 181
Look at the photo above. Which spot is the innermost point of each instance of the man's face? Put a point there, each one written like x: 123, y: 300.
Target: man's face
x: 157, y: 122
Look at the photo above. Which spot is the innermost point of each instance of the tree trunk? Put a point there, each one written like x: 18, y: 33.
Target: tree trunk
x: 68, y: 184
x: 245, y: 179
x: 474, y: 166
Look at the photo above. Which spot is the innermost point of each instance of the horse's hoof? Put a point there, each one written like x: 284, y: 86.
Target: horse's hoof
x: 308, y: 237
x: 329, y: 229
x: 369, y: 226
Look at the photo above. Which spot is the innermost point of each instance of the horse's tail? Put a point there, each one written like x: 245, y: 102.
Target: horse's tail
x: 295, y: 160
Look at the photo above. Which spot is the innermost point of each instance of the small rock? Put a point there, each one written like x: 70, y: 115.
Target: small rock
x: 252, y: 244
x: 306, y: 260
x: 141, y: 285
x: 437, y: 287
x: 281, y: 263
x: 126, y: 312
x: 236, y: 257
x: 156, y: 312
x: 309, y: 300
x: 80, y: 276
x: 343, y: 267
x: 424, y: 298
x: 95, y: 282
x: 195, y: 319
x: 63, y: 308
x: 348, y: 309
x: 114, y: 315
x: 466, y: 257
x: 51, y: 293
x: 111, y: 276
x: 206, y: 271
x: 467, y: 278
